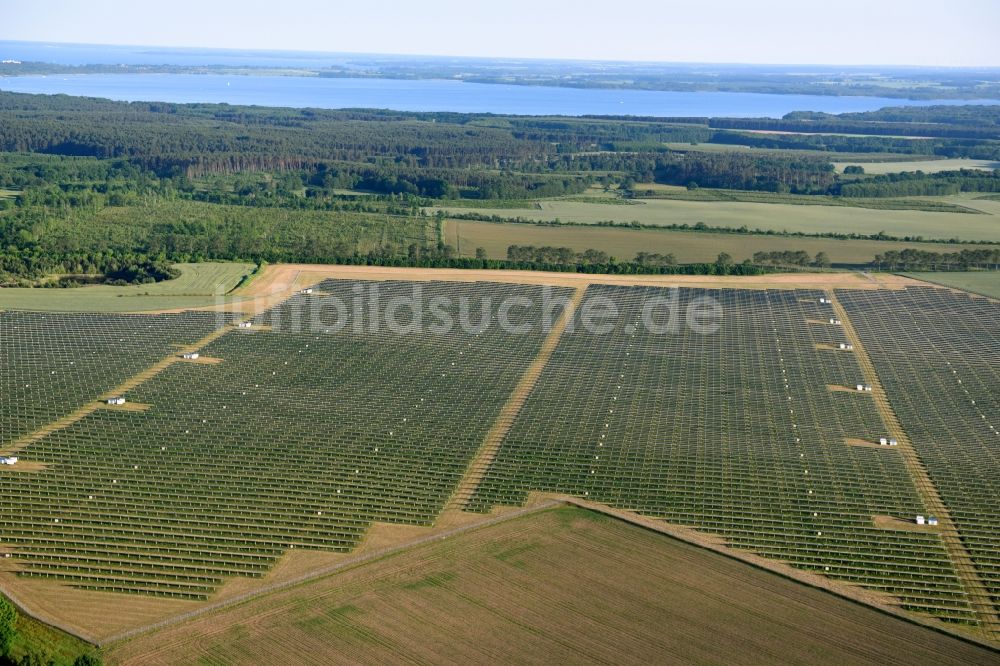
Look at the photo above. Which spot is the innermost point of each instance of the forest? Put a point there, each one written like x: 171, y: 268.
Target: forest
x: 121, y: 190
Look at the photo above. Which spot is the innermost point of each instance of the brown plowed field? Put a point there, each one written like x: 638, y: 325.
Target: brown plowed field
x: 559, y: 586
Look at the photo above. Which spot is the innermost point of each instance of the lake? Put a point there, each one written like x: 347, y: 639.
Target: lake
x: 439, y: 95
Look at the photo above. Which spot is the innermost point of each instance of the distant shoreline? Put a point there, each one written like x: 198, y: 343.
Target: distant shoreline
x: 891, y: 82
x: 267, y: 88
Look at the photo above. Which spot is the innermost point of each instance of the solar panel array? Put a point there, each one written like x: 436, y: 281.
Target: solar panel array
x: 51, y: 364
x: 937, y: 353
x: 301, y: 437
x: 302, y: 431
x: 735, y: 432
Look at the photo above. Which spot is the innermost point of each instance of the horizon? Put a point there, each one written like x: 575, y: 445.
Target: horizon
x: 887, y: 34
x: 429, y: 55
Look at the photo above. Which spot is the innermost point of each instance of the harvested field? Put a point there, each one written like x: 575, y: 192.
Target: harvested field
x: 562, y: 586
x: 278, y: 281
x: 686, y: 246
x: 927, y: 166
x: 777, y: 217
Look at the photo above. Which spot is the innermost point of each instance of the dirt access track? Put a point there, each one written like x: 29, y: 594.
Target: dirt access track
x: 277, y: 282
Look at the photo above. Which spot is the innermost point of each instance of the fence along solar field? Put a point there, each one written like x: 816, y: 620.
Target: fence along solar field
x: 936, y: 352
x: 293, y: 440
x: 736, y: 433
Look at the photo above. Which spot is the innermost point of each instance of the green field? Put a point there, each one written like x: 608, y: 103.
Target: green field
x: 978, y: 282
x: 927, y: 166
x: 778, y: 217
x: 686, y: 246
x: 197, y: 286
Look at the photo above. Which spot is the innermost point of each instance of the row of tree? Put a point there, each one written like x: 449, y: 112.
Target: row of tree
x: 914, y: 259
x: 917, y: 183
x: 29, y: 267
x: 797, y: 258
x: 546, y: 254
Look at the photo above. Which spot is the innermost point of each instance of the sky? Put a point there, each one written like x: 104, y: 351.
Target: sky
x: 847, y: 32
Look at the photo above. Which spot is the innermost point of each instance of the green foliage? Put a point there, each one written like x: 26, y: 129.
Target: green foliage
x: 746, y: 171
x: 913, y: 259
x: 87, y: 660
x: 654, y: 259
x: 917, y: 183
x: 8, y: 623
x: 116, y: 192
x: 968, y: 122
x: 798, y: 258
x: 38, y: 643
x: 121, y: 239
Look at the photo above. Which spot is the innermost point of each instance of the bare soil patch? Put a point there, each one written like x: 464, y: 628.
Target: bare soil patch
x: 203, y: 360
x: 866, y: 444
x: 24, y: 466
x: 279, y: 281
x: 893, y: 523
x: 846, y: 389
x: 127, y: 407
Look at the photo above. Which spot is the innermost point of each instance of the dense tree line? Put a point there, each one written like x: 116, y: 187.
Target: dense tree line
x: 747, y: 171
x: 120, y: 190
x: 974, y: 115
x: 923, y: 184
x: 799, y: 258
x: 554, y: 255
x: 447, y: 259
x: 842, y: 124
x: 914, y: 259
x: 26, y: 267
x: 834, y: 143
